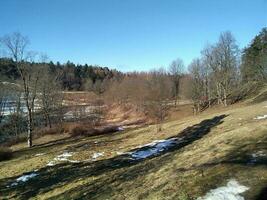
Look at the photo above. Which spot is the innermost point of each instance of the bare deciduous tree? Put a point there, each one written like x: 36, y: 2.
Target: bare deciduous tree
x: 176, y: 69
x: 227, y: 56
x: 50, y: 95
x: 196, y: 70
x: 159, y: 93
x: 216, y: 74
x: 16, y: 45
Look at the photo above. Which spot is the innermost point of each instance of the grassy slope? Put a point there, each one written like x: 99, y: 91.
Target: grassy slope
x: 221, y: 151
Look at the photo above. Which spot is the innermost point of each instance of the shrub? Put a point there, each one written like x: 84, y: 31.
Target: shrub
x: 90, y: 131
x: 50, y: 131
x: 79, y: 130
x: 5, y: 153
x: 15, y: 140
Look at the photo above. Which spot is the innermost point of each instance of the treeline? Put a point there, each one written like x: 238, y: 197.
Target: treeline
x: 69, y: 76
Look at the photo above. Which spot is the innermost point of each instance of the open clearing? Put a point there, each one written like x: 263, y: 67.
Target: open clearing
x: 189, y: 159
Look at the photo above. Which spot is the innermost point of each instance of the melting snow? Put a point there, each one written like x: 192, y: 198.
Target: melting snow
x: 153, y: 148
x: 119, y: 153
x: 62, y: 157
x: 256, y: 156
x: 51, y: 163
x: 120, y: 129
x: 24, y: 178
x: 229, y: 192
x: 96, y: 155
x: 39, y: 154
x: 261, y: 117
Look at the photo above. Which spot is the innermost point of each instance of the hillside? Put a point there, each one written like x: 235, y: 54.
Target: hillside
x: 188, y: 158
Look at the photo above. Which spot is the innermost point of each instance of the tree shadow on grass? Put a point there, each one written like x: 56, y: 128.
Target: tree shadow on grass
x: 50, y: 178
x: 66, y: 141
x: 249, y: 153
x: 263, y: 194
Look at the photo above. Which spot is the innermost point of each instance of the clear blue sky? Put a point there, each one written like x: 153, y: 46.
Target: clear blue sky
x: 130, y: 34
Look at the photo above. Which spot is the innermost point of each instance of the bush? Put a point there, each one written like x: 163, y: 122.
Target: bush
x: 50, y: 131
x: 5, y: 153
x: 79, y: 130
x: 90, y: 131
x: 15, y: 140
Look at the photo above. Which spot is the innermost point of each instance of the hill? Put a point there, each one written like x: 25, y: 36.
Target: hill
x: 224, y: 148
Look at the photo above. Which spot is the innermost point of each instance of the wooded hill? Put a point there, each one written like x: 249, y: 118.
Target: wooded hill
x: 69, y: 75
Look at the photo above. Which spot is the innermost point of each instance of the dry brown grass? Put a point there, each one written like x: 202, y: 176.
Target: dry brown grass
x: 38, y: 133
x: 16, y: 140
x: 79, y: 98
x: 126, y: 113
x: 208, y: 162
x: 58, y: 129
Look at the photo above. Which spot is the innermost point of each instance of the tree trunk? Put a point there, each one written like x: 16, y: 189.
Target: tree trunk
x: 45, y: 119
x: 218, y: 93
x: 29, y: 128
x: 49, y: 121
x: 225, y: 97
x: 175, y: 96
x: 208, y: 91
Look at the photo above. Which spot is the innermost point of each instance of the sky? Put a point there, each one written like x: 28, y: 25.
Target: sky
x: 130, y: 34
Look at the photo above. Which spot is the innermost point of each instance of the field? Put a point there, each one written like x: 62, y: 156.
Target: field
x: 210, y: 149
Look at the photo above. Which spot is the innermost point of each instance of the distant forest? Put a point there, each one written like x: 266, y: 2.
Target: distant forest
x: 70, y: 76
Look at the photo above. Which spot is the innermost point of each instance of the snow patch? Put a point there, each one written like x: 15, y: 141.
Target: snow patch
x: 153, y: 148
x: 74, y: 161
x: 39, y: 154
x: 229, y: 192
x: 24, y: 178
x: 51, y: 163
x: 119, y: 153
x: 261, y: 117
x: 62, y: 157
x: 96, y: 155
x: 120, y: 128
x: 256, y: 156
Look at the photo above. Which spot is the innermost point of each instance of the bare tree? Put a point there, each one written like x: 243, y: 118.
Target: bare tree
x: 4, y: 93
x: 216, y: 74
x: 196, y: 70
x: 50, y: 96
x: 176, y: 69
x: 209, y: 77
x: 159, y: 91
x: 227, y: 56
x: 16, y: 45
